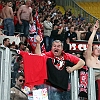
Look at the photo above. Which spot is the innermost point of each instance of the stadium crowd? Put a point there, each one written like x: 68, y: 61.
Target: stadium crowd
x: 27, y: 19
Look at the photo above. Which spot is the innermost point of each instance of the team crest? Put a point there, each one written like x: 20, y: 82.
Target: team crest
x: 59, y: 64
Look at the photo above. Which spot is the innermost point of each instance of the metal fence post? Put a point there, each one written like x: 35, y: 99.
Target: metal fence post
x: 91, y: 83
x: 5, y: 73
x: 1, y: 71
x: 74, y: 85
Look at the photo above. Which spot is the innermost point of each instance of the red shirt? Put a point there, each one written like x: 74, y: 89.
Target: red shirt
x: 1, y: 7
x: 67, y: 56
x: 34, y: 69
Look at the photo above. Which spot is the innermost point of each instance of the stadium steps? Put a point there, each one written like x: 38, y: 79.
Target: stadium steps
x: 91, y: 7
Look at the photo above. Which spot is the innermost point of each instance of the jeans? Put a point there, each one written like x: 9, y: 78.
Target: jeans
x: 24, y: 28
x: 66, y: 95
x: 9, y: 27
x: 47, y: 43
x: 55, y: 94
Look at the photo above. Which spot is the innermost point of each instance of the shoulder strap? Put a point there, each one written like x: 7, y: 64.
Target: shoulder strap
x: 21, y: 91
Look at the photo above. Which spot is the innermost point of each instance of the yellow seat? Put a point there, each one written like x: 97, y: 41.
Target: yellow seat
x: 61, y: 9
x: 91, y: 7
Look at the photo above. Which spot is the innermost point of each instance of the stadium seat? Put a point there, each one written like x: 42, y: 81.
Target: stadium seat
x: 91, y: 7
x: 61, y: 9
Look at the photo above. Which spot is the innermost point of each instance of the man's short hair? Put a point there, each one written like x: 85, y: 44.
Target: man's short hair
x: 5, y: 39
x: 89, y: 28
x: 21, y: 43
x: 7, y: 1
x: 20, y: 74
x: 57, y: 41
x: 71, y: 26
x: 47, y: 16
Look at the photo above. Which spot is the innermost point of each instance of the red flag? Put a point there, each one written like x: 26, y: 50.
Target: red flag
x: 32, y: 42
x: 38, y: 25
x: 43, y: 48
x: 32, y: 29
x: 36, y: 29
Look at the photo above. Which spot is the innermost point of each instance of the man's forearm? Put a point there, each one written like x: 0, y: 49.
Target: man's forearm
x: 18, y: 16
x: 79, y: 65
x: 38, y: 49
x: 91, y: 37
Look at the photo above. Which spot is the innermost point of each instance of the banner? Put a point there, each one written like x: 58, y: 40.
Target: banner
x: 40, y: 94
x: 12, y: 39
x: 81, y: 45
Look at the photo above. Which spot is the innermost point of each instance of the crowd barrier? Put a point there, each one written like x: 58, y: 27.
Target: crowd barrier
x: 91, y: 83
x: 5, y: 73
x: 5, y: 77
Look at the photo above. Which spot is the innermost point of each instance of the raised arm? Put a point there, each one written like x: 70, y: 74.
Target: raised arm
x: 79, y: 34
x: 90, y: 41
x: 38, y: 48
x: 31, y: 17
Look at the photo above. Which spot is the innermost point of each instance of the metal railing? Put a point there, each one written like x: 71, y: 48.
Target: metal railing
x: 5, y: 77
x: 91, y: 83
x: 74, y: 85
x: 76, y: 9
x: 5, y: 72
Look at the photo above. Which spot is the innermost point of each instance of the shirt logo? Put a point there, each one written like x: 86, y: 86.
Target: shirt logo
x: 59, y: 64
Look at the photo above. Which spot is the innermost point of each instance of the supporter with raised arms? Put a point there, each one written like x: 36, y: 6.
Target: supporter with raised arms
x: 57, y: 51
x: 92, y: 55
x: 93, y: 52
x: 59, y: 65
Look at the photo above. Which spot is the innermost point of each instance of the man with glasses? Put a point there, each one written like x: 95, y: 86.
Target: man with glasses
x: 16, y: 91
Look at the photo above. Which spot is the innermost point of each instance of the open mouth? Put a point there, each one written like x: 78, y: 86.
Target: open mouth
x: 56, y: 51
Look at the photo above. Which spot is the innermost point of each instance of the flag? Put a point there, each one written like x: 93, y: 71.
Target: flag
x: 32, y: 36
x: 34, y: 30
x: 38, y: 25
x: 32, y: 42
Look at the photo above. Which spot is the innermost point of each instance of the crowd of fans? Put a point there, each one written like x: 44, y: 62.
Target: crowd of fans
x: 54, y: 26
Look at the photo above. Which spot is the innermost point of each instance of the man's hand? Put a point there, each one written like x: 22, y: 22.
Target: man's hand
x: 31, y: 22
x: 96, y: 25
x: 69, y: 69
x: 38, y: 39
x: 20, y: 22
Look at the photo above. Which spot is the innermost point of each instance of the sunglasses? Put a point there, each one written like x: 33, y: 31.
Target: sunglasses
x: 22, y: 81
